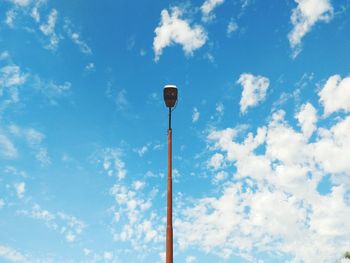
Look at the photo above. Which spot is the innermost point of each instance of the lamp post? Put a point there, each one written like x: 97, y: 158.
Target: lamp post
x: 170, y: 98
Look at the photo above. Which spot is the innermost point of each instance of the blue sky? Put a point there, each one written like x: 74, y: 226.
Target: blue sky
x: 261, y: 139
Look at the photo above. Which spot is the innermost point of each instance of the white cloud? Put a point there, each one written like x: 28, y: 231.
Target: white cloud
x: 52, y: 90
x: 20, y: 189
x: 4, y: 55
x: 70, y: 237
x: 220, y: 176
x: 231, y: 28
x: 335, y: 95
x: 7, y: 148
x: 38, y: 213
x: 304, y: 17
x: 11, y: 76
x: 76, y: 38
x: 21, y: 3
x: 81, y: 44
x: 191, y: 259
x: 208, y: 7
x: 140, y: 225
x: 12, y: 255
x: 174, y: 30
x: 216, y: 161
x: 273, y: 198
x: 34, y: 140
x: 112, y: 163
x: 107, y: 255
x: 254, y: 90
x: 220, y: 108
x: 11, y: 79
x: 195, y: 115
x: 90, y: 67
x: 48, y: 29
x: 10, y: 17
x: 68, y: 226
x: 35, y: 10
x: 138, y: 185
x: 43, y: 157
x: 332, y: 150
x: 307, y: 118
x: 141, y: 151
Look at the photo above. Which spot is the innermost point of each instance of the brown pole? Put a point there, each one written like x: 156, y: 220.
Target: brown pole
x: 169, y: 224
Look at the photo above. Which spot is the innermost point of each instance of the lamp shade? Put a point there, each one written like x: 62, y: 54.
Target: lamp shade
x: 170, y: 95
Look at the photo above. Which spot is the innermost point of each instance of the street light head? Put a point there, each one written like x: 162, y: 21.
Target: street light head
x: 170, y: 95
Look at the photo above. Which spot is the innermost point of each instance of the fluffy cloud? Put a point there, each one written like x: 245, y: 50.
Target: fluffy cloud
x: 307, y: 118
x: 208, y: 7
x: 304, y: 17
x: 216, y: 161
x: 274, y: 198
x: 173, y: 29
x: 335, y: 95
x: 254, y: 90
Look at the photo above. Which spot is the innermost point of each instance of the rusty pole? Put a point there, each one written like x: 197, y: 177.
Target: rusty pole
x: 169, y: 224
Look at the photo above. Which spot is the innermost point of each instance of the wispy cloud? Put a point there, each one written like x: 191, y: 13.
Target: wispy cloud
x: 51, y: 90
x: 48, y: 30
x: 7, y: 148
x: 20, y: 189
x: 304, y: 17
x: 68, y: 226
x: 208, y: 7
x: 76, y: 38
x: 195, y: 115
x: 231, y: 28
x: 112, y: 163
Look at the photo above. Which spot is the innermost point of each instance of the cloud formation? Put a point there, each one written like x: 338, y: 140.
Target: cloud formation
x: 335, y: 95
x: 195, y: 115
x: 48, y: 30
x: 304, y: 17
x: 173, y: 29
x: 275, y: 202
x: 208, y: 7
x: 254, y: 90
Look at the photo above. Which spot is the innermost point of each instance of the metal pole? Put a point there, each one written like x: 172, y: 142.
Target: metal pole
x: 169, y: 225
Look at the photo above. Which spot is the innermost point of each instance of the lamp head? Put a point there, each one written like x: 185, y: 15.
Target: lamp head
x: 170, y: 95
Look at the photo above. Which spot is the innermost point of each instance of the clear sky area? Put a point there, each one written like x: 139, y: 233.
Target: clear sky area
x: 261, y: 131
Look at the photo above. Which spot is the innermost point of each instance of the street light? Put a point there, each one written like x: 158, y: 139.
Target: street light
x: 170, y: 99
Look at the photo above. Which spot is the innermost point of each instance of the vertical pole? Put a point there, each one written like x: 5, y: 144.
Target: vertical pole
x: 169, y: 225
